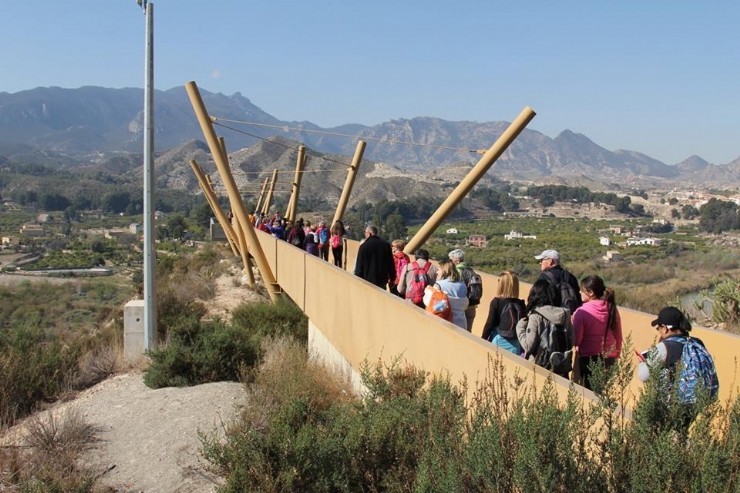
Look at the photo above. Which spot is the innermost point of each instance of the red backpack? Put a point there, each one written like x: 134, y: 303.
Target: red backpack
x: 419, y: 281
x: 401, y: 260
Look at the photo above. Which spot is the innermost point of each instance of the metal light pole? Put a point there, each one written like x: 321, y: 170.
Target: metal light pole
x: 150, y: 312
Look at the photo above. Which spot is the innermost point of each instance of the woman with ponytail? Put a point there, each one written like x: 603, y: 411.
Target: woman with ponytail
x: 597, y: 326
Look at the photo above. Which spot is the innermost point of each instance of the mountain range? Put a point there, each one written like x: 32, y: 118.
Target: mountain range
x: 93, y: 125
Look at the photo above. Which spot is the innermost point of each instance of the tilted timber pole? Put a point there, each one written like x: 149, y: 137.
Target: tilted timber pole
x: 270, y: 191
x: 215, y: 207
x: 237, y: 205
x: 296, y: 185
x: 245, y: 251
x: 236, y: 239
x: 237, y: 228
x: 261, y: 196
x: 243, y: 245
x: 237, y: 242
x: 467, y: 184
x: 349, y: 182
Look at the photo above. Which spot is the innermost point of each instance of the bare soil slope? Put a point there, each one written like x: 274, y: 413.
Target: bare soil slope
x: 148, y: 440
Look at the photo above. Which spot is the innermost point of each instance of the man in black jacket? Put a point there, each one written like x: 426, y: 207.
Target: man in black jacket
x: 565, y: 283
x: 375, y: 260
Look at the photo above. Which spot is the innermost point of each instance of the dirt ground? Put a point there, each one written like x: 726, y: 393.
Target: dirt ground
x: 148, y: 439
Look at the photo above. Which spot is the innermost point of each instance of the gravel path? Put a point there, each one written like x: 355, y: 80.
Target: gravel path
x: 149, y: 438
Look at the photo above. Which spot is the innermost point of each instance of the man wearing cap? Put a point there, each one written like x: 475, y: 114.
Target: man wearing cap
x: 554, y: 273
x: 673, y: 331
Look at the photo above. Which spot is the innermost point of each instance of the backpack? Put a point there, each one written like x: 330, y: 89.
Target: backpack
x: 554, y: 351
x: 570, y: 299
x: 474, y: 283
x: 336, y: 241
x: 401, y: 261
x: 696, y: 368
x: 323, y: 235
x: 439, y: 305
x: 512, y: 312
x: 295, y: 240
x: 419, y: 281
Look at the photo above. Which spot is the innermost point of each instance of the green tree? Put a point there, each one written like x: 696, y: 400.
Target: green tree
x: 201, y: 215
x: 116, y: 201
x: 176, y: 226
x: 718, y: 216
x: 689, y: 212
x: 395, y: 227
x: 623, y: 205
x: 54, y: 202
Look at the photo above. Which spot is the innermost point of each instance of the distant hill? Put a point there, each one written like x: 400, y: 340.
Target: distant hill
x: 99, y: 126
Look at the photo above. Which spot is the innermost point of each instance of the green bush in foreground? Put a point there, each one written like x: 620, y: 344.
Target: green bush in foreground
x: 34, y: 367
x: 199, y: 352
x: 302, y: 432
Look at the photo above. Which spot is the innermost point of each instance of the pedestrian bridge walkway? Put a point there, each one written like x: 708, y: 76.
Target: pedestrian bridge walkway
x: 352, y: 321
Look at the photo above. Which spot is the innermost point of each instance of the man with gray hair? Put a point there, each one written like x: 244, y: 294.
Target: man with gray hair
x: 565, y: 283
x: 472, y: 281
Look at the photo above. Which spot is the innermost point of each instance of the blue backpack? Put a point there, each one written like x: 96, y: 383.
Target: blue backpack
x: 696, y: 369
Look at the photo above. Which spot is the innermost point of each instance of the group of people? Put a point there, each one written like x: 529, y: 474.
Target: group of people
x: 569, y: 327
x: 565, y: 326
x: 387, y: 266
x: 315, y: 239
x: 561, y: 325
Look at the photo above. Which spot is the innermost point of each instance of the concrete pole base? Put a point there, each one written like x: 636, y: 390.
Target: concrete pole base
x: 134, y: 339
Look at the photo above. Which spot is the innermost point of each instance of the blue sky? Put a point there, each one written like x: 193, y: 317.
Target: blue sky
x: 659, y: 77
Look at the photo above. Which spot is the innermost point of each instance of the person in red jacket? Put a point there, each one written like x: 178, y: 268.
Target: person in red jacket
x: 400, y: 260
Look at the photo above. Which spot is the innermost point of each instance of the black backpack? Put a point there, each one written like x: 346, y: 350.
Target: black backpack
x: 554, y: 351
x: 474, y: 283
x: 569, y: 298
x: 512, y: 312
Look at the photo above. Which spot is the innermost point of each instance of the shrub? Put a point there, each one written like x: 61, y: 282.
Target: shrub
x: 198, y: 352
x: 281, y: 318
x: 413, y: 432
x: 34, y: 368
x: 49, y: 460
x: 726, y: 305
x: 96, y: 365
x: 68, y: 432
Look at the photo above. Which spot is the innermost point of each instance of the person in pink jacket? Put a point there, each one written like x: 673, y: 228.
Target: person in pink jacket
x: 597, y: 327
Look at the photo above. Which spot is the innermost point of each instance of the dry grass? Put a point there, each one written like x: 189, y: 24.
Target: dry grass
x: 97, y: 365
x: 67, y: 432
x: 48, y: 458
x: 285, y: 372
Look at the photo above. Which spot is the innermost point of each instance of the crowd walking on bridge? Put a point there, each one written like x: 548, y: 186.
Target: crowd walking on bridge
x: 566, y: 326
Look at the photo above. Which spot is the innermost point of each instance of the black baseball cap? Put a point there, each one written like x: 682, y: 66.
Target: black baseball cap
x: 669, y: 316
